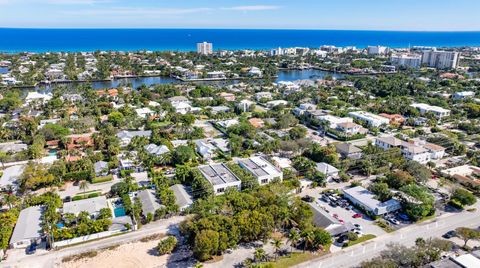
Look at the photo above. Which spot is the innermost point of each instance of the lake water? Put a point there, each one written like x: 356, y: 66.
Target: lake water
x: 283, y: 75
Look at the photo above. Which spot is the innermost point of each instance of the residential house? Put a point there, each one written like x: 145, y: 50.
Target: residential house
x: 371, y: 119
x: 183, y: 198
x: 144, y: 112
x: 274, y: 103
x: 227, y: 96
x: 101, y: 168
x: 28, y: 228
x: 79, y: 141
x: 438, y: 112
x: 13, y: 147
x: 463, y: 95
x: 264, y: 171
x: 328, y: 170
x: 156, y: 150
x: 303, y: 108
x: 256, y: 122
x: 36, y: 97
x: 245, y: 105
x: 410, y: 151
x: 350, y: 129
x: 395, y: 119
x: 126, y: 136
x: 220, y: 177
x: 265, y: 95
x: 90, y: 205
x: 333, y: 121
x: 9, y: 178
x: 149, y: 202
x: 347, y: 150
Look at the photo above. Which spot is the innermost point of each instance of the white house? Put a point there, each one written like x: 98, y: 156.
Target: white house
x: 144, y: 112
x: 264, y: 171
x: 206, y: 149
x: 156, y: 150
x: 220, y: 177
x: 28, y: 228
x: 463, y: 95
x: 304, y: 107
x: 182, y: 107
x: 263, y: 95
x: 333, y: 121
x: 90, y: 205
x: 424, y: 108
x: 418, y: 151
x: 328, y: 170
x: 371, y: 119
x: 244, y: 105
x: 34, y: 96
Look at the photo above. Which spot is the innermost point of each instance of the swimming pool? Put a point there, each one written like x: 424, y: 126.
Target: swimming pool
x: 119, y: 212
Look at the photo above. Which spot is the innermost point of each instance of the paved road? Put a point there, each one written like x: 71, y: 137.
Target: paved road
x: 51, y: 258
x: 353, y: 256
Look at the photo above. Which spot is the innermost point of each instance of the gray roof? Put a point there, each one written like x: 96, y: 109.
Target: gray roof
x: 100, y: 166
x: 130, y: 134
x: 149, y: 201
x: 347, y: 148
x: 326, y: 168
x: 321, y: 218
x: 90, y: 205
x: 218, y: 174
x: 10, y: 175
x: 183, y: 198
x: 156, y: 150
x: 28, y: 224
x: 13, y: 146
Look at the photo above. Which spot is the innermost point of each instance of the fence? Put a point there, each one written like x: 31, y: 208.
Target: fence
x: 85, y: 238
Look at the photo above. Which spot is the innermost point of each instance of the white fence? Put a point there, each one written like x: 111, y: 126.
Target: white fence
x: 85, y: 238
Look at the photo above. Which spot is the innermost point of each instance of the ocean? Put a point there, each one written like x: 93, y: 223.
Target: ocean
x: 55, y: 40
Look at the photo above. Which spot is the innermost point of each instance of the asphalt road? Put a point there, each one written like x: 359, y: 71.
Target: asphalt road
x: 353, y: 256
x: 51, y: 258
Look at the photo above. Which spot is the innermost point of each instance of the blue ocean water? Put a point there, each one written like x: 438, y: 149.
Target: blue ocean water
x: 42, y: 40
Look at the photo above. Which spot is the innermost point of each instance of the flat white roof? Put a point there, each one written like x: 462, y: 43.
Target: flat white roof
x: 259, y: 166
x: 427, y: 107
x: 468, y: 261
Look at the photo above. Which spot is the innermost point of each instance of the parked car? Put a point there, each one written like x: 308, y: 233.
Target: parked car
x: 403, y: 216
x: 335, y: 216
x: 450, y: 234
x: 394, y: 221
x: 358, y: 226
x: 358, y: 232
x: 308, y: 199
x: 31, y: 249
x: 357, y: 215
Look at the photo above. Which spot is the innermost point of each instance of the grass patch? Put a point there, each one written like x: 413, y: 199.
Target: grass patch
x: 384, y: 225
x: 426, y: 218
x: 360, y: 240
x: 88, y: 254
x: 102, y: 179
x: 152, y: 237
x: 86, y: 195
x: 294, y: 259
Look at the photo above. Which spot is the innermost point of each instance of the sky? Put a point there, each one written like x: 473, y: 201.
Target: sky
x: 405, y: 15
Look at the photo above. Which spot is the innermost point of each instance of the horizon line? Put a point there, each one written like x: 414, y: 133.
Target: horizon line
x: 264, y: 29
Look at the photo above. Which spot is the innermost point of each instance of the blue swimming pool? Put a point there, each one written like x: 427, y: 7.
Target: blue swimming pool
x: 119, y: 212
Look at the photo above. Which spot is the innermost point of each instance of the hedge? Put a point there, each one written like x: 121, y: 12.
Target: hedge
x: 102, y: 179
x: 85, y: 196
x: 78, y: 176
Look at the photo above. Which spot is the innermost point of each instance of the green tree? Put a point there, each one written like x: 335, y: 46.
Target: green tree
x: 205, y: 245
x: 467, y: 234
x: 167, y: 245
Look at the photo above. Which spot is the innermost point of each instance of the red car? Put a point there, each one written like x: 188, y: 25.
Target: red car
x: 357, y: 215
x: 341, y: 221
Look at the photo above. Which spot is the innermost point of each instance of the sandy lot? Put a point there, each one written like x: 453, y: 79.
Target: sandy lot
x: 136, y: 254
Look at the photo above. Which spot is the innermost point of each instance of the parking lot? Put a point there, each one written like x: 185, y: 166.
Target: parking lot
x: 346, y: 214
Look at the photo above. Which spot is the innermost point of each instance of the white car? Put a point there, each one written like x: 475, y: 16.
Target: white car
x: 394, y: 221
x: 358, y: 227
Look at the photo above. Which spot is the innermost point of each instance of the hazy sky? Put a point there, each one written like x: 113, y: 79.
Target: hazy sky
x: 455, y: 15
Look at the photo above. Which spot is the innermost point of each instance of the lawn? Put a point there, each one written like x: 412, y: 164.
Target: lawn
x: 294, y: 259
x: 384, y: 225
x: 360, y: 240
x: 102, y: 179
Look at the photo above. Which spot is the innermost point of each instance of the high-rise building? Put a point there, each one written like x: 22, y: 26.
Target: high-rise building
x: 441, y: 59
x: 377, y: 50
x: 204, y: 48
x: 406, y: 60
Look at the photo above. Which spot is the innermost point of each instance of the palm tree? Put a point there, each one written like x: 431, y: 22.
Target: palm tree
x: 307, y: 239
x: 277, y: 244
x: 10, y: 200
x: 293, y: 238
x: 259, y: 254
x: 83, y: 186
